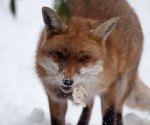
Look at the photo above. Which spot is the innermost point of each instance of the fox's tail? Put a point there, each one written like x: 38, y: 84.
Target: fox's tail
x: 139, y: 97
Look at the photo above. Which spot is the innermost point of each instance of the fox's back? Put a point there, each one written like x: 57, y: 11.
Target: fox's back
x: 100, y: 9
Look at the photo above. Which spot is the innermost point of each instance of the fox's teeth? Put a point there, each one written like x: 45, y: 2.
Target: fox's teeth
x: 66, y: 89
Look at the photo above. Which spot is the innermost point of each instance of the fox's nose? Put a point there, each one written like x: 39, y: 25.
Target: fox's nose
x: 68, y: 81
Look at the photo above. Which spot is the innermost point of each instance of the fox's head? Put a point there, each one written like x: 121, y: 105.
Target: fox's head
x: 72, y: 52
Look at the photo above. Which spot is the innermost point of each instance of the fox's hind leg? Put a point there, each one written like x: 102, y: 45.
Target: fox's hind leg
x: 57, y: 111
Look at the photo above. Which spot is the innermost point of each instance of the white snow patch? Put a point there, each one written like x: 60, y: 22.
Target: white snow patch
x: 37, y: 117
x: 132, y: 119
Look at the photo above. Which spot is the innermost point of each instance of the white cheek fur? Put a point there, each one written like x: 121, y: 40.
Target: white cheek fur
x: 52, y: 70
x: 88, y: 77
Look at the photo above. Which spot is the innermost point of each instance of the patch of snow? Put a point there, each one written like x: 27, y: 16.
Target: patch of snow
x: 37, y: 117
x: 132, y: 119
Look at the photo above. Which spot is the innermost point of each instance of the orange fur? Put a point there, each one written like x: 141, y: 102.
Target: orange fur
x: 104, y: 34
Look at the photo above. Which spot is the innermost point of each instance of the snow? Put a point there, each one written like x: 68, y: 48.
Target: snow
x: 37, y: 117
x: 22, y: 97
x: 132, y: 119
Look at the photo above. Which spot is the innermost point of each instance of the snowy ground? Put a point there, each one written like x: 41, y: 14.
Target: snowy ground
x: 22, y: 98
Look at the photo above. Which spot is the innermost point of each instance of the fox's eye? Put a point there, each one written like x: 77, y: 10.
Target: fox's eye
x: 84, y: 58
x: 60, y: 56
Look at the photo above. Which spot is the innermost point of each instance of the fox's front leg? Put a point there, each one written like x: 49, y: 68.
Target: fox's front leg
x: 57, y: 111
x: 86, y: 113
x: 111, y: 114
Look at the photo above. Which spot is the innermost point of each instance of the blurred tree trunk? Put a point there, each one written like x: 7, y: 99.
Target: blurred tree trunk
x: 13, y: 6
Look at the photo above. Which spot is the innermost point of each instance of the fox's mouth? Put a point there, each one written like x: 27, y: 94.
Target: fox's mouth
x: 66, y: 89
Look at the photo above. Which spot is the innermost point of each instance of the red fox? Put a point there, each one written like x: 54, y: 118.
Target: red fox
x: 99, y: 48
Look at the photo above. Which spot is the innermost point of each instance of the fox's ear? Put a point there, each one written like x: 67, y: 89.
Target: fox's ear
x: 104, y: 29
x: 52, y: 21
